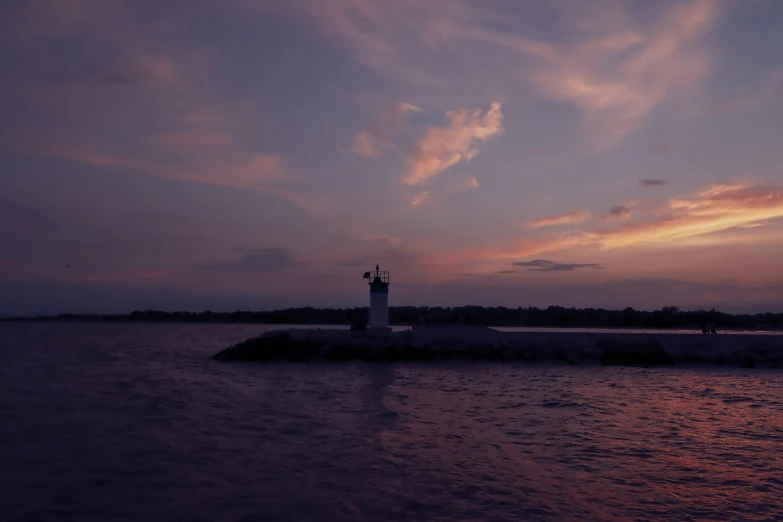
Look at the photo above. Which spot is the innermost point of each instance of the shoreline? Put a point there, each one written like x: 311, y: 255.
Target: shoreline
x: 401, y: 327
x: 434, y: 343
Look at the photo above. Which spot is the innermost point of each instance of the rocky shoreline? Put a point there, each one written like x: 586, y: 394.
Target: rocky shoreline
x: 484, y: 344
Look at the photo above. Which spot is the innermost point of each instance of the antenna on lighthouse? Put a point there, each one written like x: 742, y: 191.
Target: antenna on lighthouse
x: 379, y: 298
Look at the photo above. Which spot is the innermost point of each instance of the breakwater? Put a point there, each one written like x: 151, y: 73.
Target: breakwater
x: 432, y: 343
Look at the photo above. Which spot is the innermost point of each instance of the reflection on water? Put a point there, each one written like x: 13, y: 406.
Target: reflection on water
x: 110, y: 422
x: 380, y: 377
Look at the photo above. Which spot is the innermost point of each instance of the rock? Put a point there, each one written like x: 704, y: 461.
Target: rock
x: 471, y: 344
x: 270, y: 348
x: 571, y: 355
x: 637, y: 354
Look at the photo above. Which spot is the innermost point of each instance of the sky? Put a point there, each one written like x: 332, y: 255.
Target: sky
x: 259, y: 154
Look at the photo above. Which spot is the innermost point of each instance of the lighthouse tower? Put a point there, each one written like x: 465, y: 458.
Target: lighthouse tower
x: 379, y: 299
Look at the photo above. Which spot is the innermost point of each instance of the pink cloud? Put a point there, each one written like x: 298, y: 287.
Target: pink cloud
x: 238, y: 169
x: 159, y: 70
x: 385, y: 240
x: 618, y: 78
x: 770, y: 89
x: 233, y: 167
x: 511, y: 41
x: 94, y: 159
x: 418, y: 198
x: 444, y: 147
x: 719, y: 208
x: 392, y: 38
x: 467, y: 182
x: 366, y: 144
x: 569, y: 218
x: 692, y: 221
x: 615, y: 74
x: 190, y: 139
x: 245, y: 173
x: 258, y: 167
x: 371, y: 141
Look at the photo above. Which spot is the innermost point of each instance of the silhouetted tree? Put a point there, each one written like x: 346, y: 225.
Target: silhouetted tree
x: 666, y: 317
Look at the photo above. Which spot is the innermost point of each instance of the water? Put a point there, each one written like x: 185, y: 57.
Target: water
x: 634, y: 330
x: 134, y: 422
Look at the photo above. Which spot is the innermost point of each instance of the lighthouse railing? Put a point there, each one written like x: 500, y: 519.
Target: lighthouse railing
x: 380, y: 274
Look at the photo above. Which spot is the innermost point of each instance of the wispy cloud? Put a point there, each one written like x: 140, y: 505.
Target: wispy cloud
x: 245, y: 173
x: 720, y: 207
x: 260, y: 260
x: 652, y: 182
x: 159, y: 70
x: 190, y: 139
x: 91, y: 158
x: 237, y: 169
x: 618, y: 213
x: 385, y: 240
x: 569, y: 218
x: 616, y: 79
x: 419, y: 198
x: 107, y: 77
x: 391, y: 38
x: 770, y: 89
x: 615, y: 69
x: 544, y: 265
x: 679, y: 222
x: 467, y: 182
x: 662, y: 147
x: 444, y: 147
x: 372, y: 141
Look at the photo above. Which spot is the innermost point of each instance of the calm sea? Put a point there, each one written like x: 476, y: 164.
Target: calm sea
x: 105, y: 422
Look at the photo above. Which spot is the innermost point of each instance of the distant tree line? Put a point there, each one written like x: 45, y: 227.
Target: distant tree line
x: 667, y: 317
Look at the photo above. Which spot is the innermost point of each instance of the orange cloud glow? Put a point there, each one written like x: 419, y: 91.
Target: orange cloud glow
x: 719, y: 208
x: 444, y: 147
x: 570, y: 218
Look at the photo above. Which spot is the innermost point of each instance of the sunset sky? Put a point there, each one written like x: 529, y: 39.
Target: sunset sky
x: 255, y: 154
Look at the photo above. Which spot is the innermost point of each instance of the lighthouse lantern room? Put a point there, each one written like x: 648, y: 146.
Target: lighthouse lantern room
x: 379, y: 298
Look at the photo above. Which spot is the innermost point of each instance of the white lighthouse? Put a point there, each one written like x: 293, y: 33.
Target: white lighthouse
x: 379, y: 299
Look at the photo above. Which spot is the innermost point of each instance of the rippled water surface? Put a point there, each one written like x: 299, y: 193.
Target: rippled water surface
x: 134, y: 422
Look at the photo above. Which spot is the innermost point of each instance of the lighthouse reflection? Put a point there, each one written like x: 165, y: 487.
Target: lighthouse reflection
x: 380, y: 377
